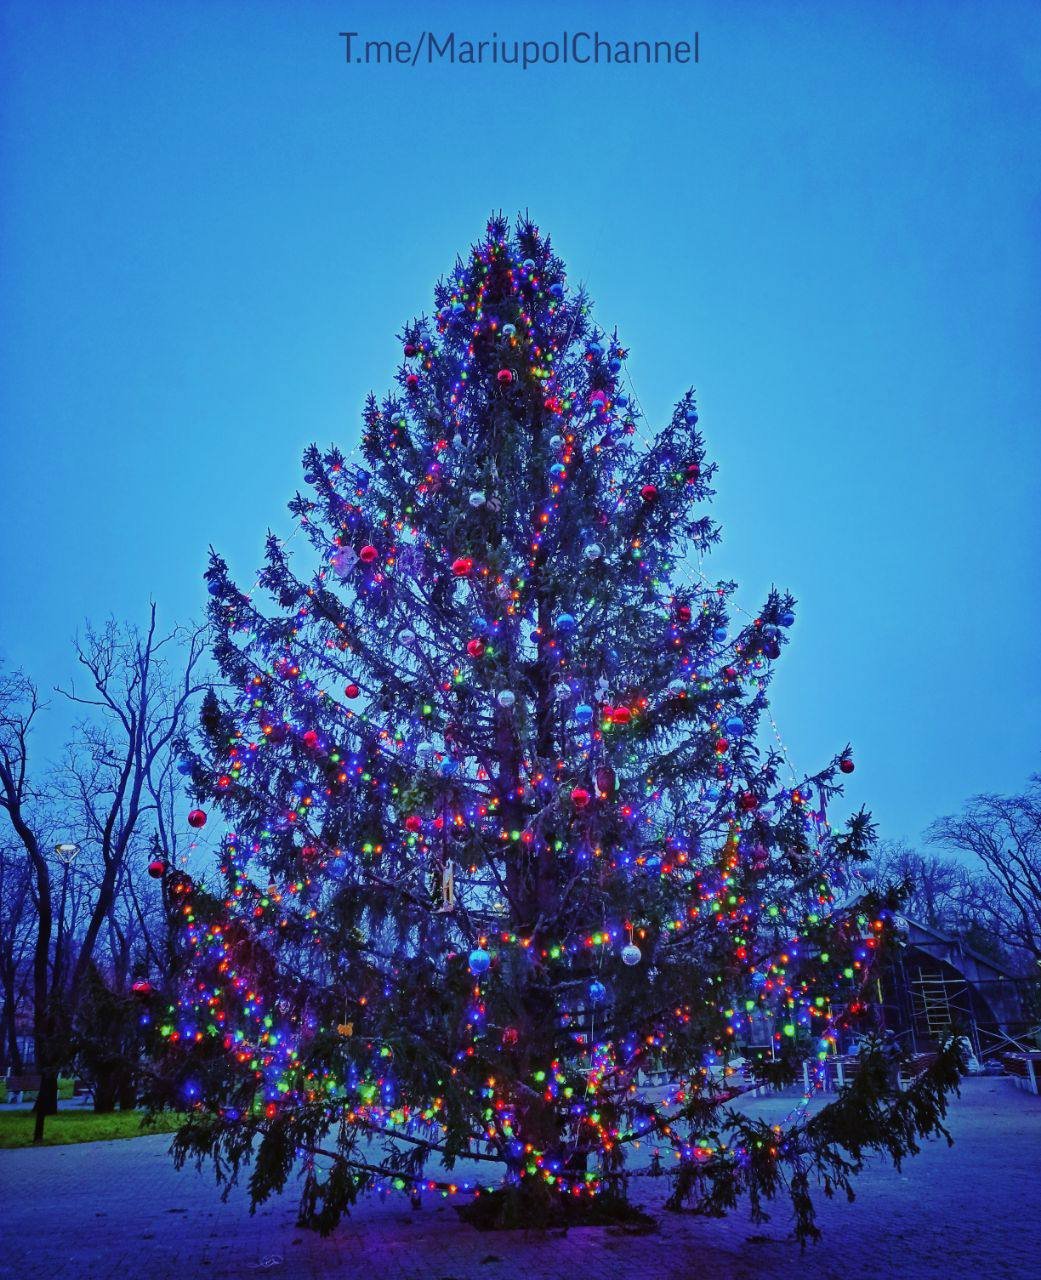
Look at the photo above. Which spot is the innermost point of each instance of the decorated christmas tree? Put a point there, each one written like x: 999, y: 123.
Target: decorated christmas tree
x: 517, y: 891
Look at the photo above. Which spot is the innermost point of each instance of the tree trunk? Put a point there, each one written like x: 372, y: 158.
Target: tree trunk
x: 46, y: 1102
x: 106, y: 1090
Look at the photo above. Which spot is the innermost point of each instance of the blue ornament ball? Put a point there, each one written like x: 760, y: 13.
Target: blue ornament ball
x: 566, y: 624
x: 480, y: 960
x: 787, y: 618
x: 735, y: 726
x: 597, y: 992
x: 583, y: 713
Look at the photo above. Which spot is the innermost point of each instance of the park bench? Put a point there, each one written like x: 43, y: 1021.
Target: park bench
x: 1024, y: 1069
x: 19, y: 1085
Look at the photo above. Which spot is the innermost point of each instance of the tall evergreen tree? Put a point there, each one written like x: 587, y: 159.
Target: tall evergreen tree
x: 504, y: 847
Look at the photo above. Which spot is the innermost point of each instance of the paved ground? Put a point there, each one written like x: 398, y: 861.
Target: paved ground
x: 119, y: 1209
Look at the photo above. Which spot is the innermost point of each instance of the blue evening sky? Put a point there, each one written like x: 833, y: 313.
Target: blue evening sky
x: 212, y: 228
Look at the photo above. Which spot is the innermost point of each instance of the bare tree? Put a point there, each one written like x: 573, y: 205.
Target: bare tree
x: 137, y: 699
x: 16, y: 906
x: 1004, y: 833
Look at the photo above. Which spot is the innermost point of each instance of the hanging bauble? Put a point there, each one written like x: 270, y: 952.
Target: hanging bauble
x: 621, y: 715
x: 719, y: 634
x: 425, y: 753
x: 565, y: 624
x: 557, y: 471
x: 197, y: 818
x: 583, y: 713
x: 413, y: 822
x: 594, y: 348
x: 157, y: 868
x: 368, y: 554
x: 693, y: 471
x: 506, y: 699
x: 509, y: 330
x: 747, y: 802
x: 597, y: 992
x: 614, y: 364
x: 606, y: 780
x: 412, y: 381
x: 846, y: 765
x: 503, y: 591
x: 411, y: 350
x: 458, y: 307
x: 462, y: 566
x: 505, y: 377
x: 649, y: 492
x: 580, y: 797
x: 598, y: 401
x: 787, y: 618
x: 478, y: 498
x: 528, y: 264
x: 310, y: 739
x: 556, y: 290
x: 556, y: 442
x: 343, y: 560
x: 480, y: 961
x: 593, y: 552
x: 735, y: 726
x: 692, y: 416
x: 562, y: 693
x: 631, y: 954
x: 683, y: 613
x: 184, y: 767
x: 352, y: 690
x: 475, y: 648
x: 510, y: 1036
x: 771, y: 649
x: 142, y: 988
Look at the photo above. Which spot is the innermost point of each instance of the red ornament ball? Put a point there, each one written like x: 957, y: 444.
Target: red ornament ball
x: 510, y: 1036
x: 197, y: 818
x: 621, y: 715
x: 352, y: 691
x: 142, y: 988
x: 462, y: 567
x: 412, y: 380
x: 368, y: 554
x: 847, y: 765
x: 580, y: 797
x: 505, y: 376
x: 693, y: 471
x: 683, y: 613
x: 157, y: 868
x: 311, y: 739
x: 411, y: 349
x: 413, y: 822
x: 747, y: 802
x: 649, y: 492
x: 475, y: 648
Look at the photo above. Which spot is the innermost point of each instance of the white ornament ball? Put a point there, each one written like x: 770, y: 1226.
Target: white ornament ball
x: 506, y: 699
x: 478, y: 498
x: 631, y: 954
x: 594, y: 551
x: 556, y: 442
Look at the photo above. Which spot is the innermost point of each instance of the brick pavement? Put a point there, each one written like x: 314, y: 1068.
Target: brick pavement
x: 113, y: 1210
